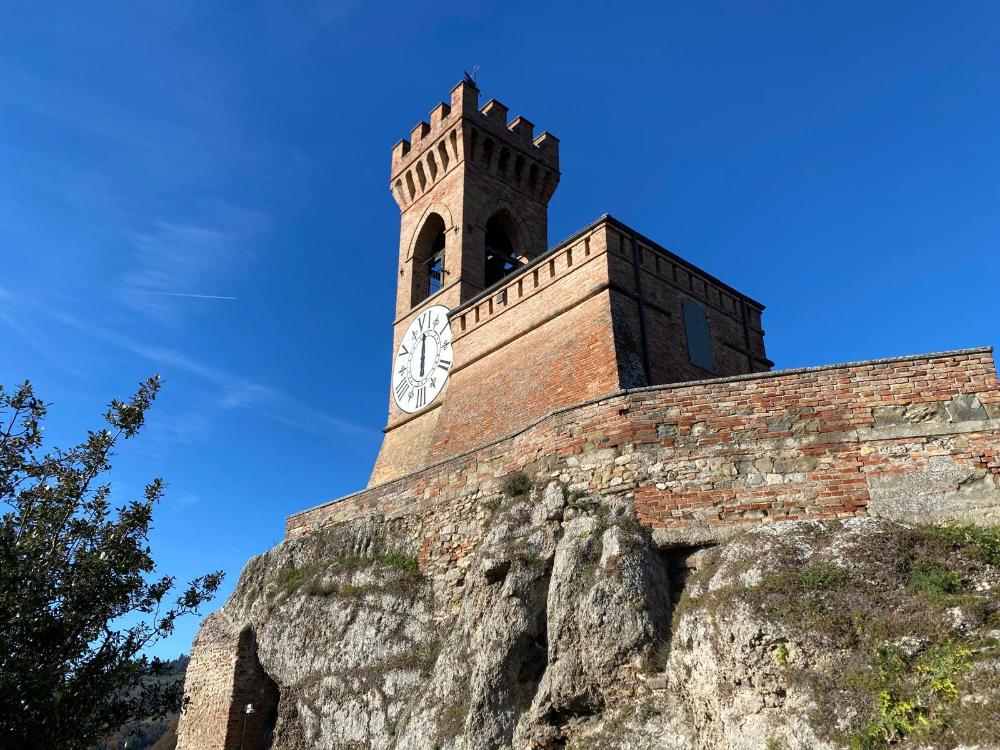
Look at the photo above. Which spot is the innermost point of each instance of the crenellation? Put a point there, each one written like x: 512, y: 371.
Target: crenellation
x: 495, y: 112
x: 419, y: 132
x: 465, y: 98
x: 522, y: 128
x: 439, y: 114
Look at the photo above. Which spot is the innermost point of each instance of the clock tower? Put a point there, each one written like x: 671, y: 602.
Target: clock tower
x: 494, y: 330
x: 473, y: 192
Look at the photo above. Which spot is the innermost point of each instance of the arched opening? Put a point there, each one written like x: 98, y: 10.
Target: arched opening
x: 255, y: 698
x: 501, y: 255
x: 428, y: 260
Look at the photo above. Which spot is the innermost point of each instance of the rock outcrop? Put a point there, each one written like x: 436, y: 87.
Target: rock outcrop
x: 569, y: 627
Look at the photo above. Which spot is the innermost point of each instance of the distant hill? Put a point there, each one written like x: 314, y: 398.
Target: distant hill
x: 153, y: 735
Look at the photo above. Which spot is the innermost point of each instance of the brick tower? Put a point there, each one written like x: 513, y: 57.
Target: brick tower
x: 493, y: 330
x: 473, y: 192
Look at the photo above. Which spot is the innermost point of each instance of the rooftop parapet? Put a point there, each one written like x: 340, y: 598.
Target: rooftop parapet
x: 492, y: 119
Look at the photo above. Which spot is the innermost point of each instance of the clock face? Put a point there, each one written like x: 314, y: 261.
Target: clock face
x: 423, y: 360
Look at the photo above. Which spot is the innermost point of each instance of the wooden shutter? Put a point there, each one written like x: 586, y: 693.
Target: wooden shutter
x: 696, y: 330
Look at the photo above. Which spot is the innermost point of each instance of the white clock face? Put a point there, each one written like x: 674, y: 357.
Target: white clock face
x: 423, y: 360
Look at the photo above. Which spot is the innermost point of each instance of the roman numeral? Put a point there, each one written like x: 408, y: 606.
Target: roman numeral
x: 401, y: 387
x: 403, y: 350
x: 420, y: 321
x: 421, y: 397
x: 444, y: 364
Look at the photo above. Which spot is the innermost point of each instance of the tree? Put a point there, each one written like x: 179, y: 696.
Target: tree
x: 80, y: 598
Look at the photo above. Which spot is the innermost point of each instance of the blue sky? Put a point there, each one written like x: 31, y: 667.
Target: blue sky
x: 839, y: 162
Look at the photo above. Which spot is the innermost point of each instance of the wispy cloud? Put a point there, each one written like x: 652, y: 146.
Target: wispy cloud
x: 32, y: 337
x: 184, y: 294
x: 328, y: 11
x: 176, y: 262
x: 182, y: 500
x: 235, y: 391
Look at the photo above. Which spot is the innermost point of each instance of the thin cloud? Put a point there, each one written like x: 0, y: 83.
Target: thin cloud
x: 237, y: 392
x: 195, y: 258
x: 183, y: 501
x: 35, y: 340
x: 184, y: 294
x: 331, y: 10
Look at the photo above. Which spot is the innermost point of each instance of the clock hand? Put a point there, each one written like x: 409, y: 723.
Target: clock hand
x: 423, y: 351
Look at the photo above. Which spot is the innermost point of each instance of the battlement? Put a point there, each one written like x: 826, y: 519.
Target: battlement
x: 463, y: 132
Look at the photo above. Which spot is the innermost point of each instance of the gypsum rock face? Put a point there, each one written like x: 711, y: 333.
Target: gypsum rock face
x: 562, y: 608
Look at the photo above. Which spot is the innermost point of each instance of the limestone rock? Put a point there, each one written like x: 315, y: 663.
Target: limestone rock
x: 558, y: 621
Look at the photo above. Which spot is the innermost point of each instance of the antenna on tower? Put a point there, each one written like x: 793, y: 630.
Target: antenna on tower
x: 471, y: 78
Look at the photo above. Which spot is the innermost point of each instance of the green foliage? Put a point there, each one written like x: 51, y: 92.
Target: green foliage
x: 914, y: 693
x: 781, y: 654
x: 151, y: 735
x: 310, y: 578
x: 819, y: 577
x: 290, y: 579
x: 815, y: 577
x: 80, y: 600
x: 981, y: 543
x: 493, y: 503
x: 402, y: 563
x: 517, y: 484
x: 933, y: 580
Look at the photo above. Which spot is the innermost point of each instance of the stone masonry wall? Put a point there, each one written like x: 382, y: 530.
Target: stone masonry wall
x: 914, y: 437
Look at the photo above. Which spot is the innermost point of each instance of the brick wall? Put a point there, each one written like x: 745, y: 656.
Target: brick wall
x: 913, y: 435
x: 663, y: 284
x: 567, y: 328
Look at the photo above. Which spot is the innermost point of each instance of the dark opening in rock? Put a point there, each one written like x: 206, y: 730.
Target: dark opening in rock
x: 254, y: 709
x: 496, y: 570
x: 680, y: 563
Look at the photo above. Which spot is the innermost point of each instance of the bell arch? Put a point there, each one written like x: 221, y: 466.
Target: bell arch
x: 501, y: 245
x: 427, y: 258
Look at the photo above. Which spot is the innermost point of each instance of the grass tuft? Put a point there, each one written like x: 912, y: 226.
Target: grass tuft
x: 517, y: 484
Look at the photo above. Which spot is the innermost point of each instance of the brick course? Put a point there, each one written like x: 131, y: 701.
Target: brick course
x: 755, y: 448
